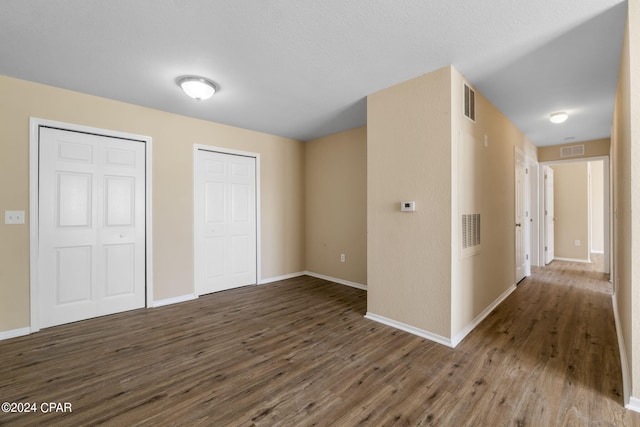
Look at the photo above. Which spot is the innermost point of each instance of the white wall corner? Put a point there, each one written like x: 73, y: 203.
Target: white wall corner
x: 475, y: 322
x: 174, y: 300
x: 14, y: 333
x: 410, y: 329
x: 624, y: 365
x: 278, y: 278
x: 336, y: 280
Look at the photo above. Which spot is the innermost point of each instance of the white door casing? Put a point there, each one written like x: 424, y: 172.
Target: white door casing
x: 549, y: 218
x: 520, y: 217
x: 225, y: 229
x: 534, y: 214
x: 90, y: 222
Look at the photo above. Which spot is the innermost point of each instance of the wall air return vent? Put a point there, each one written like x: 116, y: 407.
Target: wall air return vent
x: 573, y: 151
x: 470, y: 234
x: 469, y: 103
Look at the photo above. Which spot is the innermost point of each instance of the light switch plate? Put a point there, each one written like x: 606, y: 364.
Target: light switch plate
x: 14, y: 217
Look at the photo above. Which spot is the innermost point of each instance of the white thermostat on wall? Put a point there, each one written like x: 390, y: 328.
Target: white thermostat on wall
x: 408, y: 206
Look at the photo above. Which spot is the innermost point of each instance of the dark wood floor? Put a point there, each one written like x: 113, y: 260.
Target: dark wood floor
x: 300, y: 353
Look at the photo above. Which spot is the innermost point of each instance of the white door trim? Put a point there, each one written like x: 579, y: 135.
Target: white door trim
x: 534, y: 213
x: 518, y: 153
x: 202, y: 147
x: 34, y: 137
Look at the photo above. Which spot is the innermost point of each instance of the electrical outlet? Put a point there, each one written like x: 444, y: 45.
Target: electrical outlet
x: 343, y: 258
x: 14, y: 217
x: 577, y: 242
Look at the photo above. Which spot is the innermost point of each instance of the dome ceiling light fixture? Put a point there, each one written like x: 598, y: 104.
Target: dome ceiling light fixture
x: 559, y: 117
x: 197, y: 87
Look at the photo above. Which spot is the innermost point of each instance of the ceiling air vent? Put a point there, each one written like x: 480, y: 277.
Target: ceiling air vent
x: 575, y: 150
x: 469, y: 103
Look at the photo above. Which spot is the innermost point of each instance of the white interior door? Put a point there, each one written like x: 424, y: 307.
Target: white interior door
x: 91, y: 221
x: 520, y: 217
x: 225, y: 206
x: 549, y: 219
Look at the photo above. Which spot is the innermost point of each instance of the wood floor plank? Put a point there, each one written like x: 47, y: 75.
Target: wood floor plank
x: 300, y: 353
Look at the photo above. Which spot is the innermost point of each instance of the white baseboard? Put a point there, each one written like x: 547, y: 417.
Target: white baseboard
x: 174, y: 300
x: 597, y: 252
x: 633, y: 405
x: 283, y: 277
x: 410, y: 329
x: 14, y: 333
x: 624, y: 364
x: 584, y: 261
x: 336, y: 280
x: 475, y: 322
x: 438, y: 338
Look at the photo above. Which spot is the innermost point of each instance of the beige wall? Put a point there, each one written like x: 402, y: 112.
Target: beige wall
x: 597, y: 206
x: 415, y: 273
x: 282, y: 186
x: 480, y: 279
x: 571, y: 210
x: 626, y: 196
x: 595, y: 148
x: 336, y: 205
x: 409, y: 158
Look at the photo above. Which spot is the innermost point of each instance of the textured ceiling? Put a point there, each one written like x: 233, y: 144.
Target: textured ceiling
x: 303, y: 69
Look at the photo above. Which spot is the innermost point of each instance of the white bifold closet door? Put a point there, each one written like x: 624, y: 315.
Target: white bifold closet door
x: 91, y: 257
x: 225, y: 229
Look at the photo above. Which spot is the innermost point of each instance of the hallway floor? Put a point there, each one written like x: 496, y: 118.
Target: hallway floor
x: 300, y: 353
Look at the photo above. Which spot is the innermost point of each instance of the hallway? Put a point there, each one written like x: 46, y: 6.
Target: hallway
x: 556, y: 339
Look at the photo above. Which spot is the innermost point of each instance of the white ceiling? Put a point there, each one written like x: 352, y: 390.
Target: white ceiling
x: 303, y: 68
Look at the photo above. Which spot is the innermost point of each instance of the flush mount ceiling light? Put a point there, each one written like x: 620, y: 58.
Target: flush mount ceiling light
x: 196, y: 87
x: 559, y: 117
